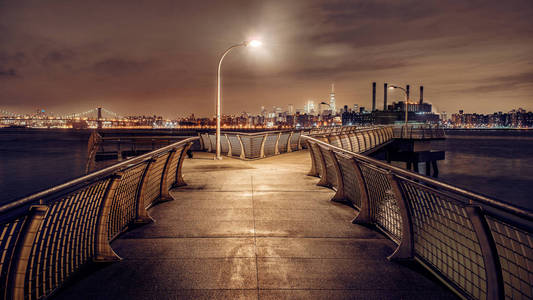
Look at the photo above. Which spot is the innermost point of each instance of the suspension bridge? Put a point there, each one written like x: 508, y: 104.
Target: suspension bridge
x: 92, y: 118
x: 91, y: 114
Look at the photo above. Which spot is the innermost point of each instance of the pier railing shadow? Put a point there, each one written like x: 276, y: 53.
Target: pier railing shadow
x: 49, y: 236
x: 481, y: 248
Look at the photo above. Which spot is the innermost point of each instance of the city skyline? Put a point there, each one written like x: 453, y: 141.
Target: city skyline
x: 144, y: 58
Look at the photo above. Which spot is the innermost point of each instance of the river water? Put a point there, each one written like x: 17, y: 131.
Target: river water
x: 497, y: 163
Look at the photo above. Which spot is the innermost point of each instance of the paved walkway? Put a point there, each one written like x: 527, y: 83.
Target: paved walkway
x: 249, y: 230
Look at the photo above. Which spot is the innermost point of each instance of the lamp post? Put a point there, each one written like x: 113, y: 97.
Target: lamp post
x: 406, y: 103
x: 253, y: 43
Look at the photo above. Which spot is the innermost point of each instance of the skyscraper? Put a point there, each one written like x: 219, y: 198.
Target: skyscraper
x: 332, y: 99
x: 290, y: 109
x: 310, y: 107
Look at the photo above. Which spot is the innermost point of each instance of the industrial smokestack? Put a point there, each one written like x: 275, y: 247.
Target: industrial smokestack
x: 373, y: 96
x: 407, y: 92
x: 421, y: 94
x: 385, y: 96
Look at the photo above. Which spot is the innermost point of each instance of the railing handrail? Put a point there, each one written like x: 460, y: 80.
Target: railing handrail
x: 147, y: 137
x: 463, y: 192
x: 261, y: 132
x: 94, y: 175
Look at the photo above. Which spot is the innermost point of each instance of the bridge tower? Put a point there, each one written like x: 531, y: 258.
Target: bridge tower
x: 99, y: 121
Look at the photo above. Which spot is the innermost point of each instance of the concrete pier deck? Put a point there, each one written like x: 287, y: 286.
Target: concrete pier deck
x: 250, y: 230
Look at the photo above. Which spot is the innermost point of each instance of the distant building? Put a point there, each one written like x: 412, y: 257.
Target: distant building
x: 310, y: 107
x: 416, y: 107
x: 290, y: 109
x: 357, y: 118
x: 332, y: 104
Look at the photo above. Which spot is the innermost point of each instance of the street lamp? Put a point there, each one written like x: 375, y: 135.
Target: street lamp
x: 406, y: 102
x: 252, y: 43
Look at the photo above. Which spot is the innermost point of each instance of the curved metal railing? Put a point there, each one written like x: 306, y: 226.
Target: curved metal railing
x: 480, y: 247
x: 46, y: 237
x: 359, y: 140
x: 419, y: 132
x: 253, y: 145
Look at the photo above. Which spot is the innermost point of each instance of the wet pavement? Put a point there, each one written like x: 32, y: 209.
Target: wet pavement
x: 250, y: 230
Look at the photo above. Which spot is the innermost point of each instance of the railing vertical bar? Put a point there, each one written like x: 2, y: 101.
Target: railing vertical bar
x: 494, y: 279
x: 23, y: 249
x: 406, y: 246
x: 163, y: 191
x: 179, y: 174
x: 104, y: 252
x: 364, y: 216
x: 142, y: 216
x: 339, y: 194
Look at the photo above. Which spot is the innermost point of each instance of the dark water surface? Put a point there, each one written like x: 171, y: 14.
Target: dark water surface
x: 497, y: 163
x: 32, y: 160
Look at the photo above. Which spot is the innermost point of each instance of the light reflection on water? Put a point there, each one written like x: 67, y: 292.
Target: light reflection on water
x: 496, y: 164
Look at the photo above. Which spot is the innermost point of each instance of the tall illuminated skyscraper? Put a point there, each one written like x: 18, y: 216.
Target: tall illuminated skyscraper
x: 310, y: 107
x: 332, y: 99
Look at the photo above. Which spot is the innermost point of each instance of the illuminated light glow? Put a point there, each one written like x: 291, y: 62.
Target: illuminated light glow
x: 254, y: 43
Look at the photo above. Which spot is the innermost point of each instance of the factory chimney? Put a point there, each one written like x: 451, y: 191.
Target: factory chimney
x: 407, y: 92
x: 373, y: 96
x: 385, y: 97
x: 421, y: 94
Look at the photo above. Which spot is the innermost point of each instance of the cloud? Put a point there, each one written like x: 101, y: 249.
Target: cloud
x: 120, y: 66
x: 58, y: 56
x: 502, y: 83
x: 120, y: 52
x: 344, y: 69
x: 18, y: 58
x: 8, y: 73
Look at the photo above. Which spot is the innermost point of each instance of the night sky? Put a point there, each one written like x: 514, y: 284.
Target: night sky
x: 160, y: 57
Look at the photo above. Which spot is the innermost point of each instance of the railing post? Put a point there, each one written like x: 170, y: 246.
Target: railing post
x: 406, y: 246
x: 289, y: 143
x: 243, y: 155
x: 339, y: 194
x: 229, y: 144
x: 209, y: 147
x: 324, y: 176
x: 262, y: 152
x: 179, y: 176
x: 202, y: 146
x: 313, y: 171
x: 142, y: 216
x: 494, y: 278
x: 276, y: 149
x: 22, y: 253
x: 104, y: 252
x: 364, y: 216
x: 349, y: 141
x: 164, y: 192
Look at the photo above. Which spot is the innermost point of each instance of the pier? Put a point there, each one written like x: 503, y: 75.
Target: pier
x: 285, y: 215
x: 249, y: 230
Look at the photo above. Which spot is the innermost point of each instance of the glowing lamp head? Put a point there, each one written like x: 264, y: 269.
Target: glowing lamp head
x: 392, y: 87
x: 254, y: 43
